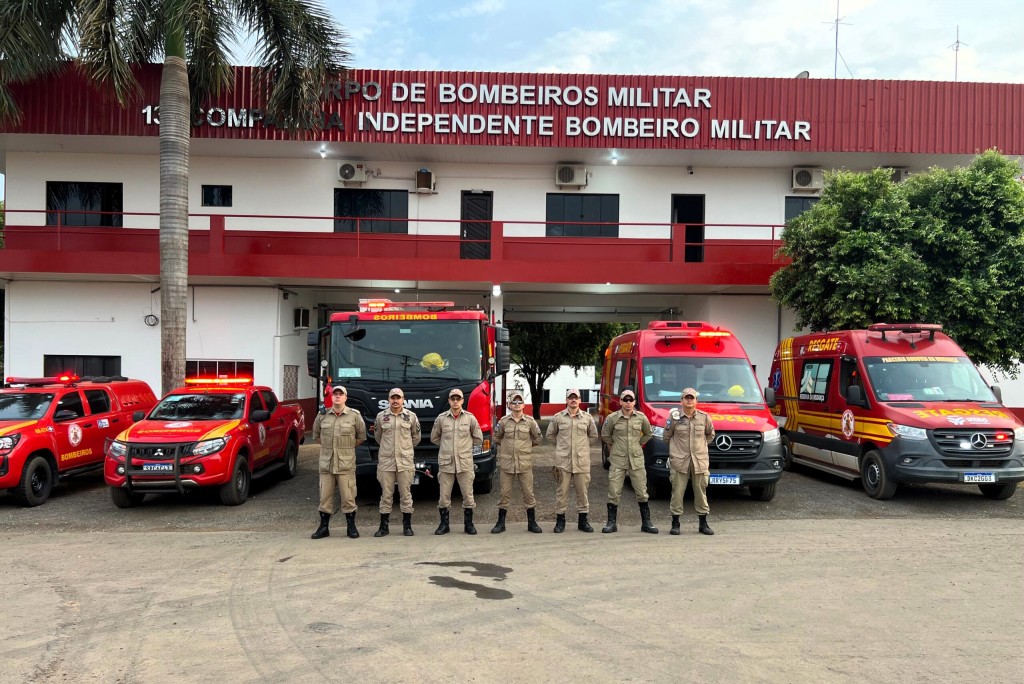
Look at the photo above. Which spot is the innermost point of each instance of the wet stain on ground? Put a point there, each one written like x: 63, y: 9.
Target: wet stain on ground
x: 482, y: 591
x: 496, y: 572
x: 322, y: 627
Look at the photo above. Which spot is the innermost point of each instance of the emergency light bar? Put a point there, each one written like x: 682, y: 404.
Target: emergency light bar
x: 220, y: 382
x: 375, y: 305
x: 908, y: 328
x: 66, y: 379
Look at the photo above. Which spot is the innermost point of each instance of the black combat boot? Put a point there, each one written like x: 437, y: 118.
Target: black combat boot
x: 323, y: 530
x: 704, y: 527
x: 350, y: 519
x: 531, y: 521
x: 499, y: 526
x: 407, y: 524
x: 468, y: 521
x: 583, y: 525
x: 613, y: 516
x: 559, y: 523
x: 645, y: 519
x: 384, y: 529
x: 675, y: 525
x: 443, y: 527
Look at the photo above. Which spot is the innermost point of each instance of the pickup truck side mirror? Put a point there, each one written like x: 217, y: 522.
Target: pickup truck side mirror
x: 769, y: 397
x: 259, y: 416
x: 65, y: 415
x: 137, y: 416
x: 855, y: 396
x: 998, y: 392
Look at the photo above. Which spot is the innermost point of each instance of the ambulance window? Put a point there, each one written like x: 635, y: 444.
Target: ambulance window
x: 621, y: 375
x: 269, y: 400
x: 814, y: 380
x: 849, y: 375
x: 72, y: 401
x: 98, y: 400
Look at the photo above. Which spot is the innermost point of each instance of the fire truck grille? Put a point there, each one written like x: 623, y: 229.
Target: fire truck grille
x: 973, y: 443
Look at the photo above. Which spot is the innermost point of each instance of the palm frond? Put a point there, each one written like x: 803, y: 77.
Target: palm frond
x: 107, y: 45
x: 208, y: 34
x: 35, y: 38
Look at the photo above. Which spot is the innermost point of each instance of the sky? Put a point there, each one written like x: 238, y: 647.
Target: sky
x: 878, y: 39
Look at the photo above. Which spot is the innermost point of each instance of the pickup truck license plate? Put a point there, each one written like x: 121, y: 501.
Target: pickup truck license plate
x: 725, y: 479
x: 158, y: 467
x: 416, y: 479
x: 979, y: 477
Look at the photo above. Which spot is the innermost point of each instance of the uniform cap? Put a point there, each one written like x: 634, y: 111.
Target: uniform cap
x: 627, y: 393
x: 455, y: 393
x: 516, y: 394
x: 339, y: 389
x: 571, y: 391
x: 398, y: 391
x: 690, y: 392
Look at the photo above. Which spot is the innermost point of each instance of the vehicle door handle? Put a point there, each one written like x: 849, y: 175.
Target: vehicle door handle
x: 86, y: 425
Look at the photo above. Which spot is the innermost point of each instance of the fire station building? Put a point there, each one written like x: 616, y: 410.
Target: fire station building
x: 540, y: 197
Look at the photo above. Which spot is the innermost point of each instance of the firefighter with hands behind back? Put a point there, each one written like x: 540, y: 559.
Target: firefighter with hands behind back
x: 339, y: 430
x: 397, y: 431
x: 456, y: 432
x: 688, y: 433
x: 515, y: 435
x: 572, y: 431
x: 625, y: 432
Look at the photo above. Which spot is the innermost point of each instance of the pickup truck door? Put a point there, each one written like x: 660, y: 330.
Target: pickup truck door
x: 76, y: 438
x: 106, y: 419
x: 277, y: 426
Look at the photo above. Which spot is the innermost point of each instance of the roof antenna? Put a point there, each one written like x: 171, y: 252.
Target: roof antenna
x: 835, y: 67
x: 956, y: 54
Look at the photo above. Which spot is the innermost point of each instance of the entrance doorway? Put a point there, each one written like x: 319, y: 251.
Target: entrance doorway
x: 477, y: 212
x: 689, y: 211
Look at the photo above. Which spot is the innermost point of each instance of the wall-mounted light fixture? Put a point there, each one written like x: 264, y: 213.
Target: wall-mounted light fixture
x: 496, y: 290
x: 323, y: 152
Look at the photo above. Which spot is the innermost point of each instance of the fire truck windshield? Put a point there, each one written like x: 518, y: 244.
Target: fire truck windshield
x: 724, y: 381
x: 213, y: 406
x: 399, y: 351
x: 24, y: 405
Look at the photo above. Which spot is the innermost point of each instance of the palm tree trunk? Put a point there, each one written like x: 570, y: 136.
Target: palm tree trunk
x: 175, y: 121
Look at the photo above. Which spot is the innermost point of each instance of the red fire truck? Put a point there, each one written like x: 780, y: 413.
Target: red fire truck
x: 425, y: 348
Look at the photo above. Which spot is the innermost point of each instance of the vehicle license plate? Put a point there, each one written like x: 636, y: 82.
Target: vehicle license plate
x: 158, y: 467
x: 725, y: 479
x: 979, y: 477
x: 416, y: 479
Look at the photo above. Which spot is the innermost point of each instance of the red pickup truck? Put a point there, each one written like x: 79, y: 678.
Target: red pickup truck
x: 218, y: 432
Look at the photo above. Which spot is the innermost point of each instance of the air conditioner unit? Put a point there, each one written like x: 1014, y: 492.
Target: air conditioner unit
x: 900, y: 174
x: 807, y: 178
x: 567, y: 175
x: 425, y: 181
x: 353, y: 172
x: 301, y: 318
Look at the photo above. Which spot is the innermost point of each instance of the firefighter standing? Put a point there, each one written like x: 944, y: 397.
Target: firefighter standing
x: 572, y: 431
x: 397, y: 431
x: 516, y: 435
x: 688, y: 433
x: 456, y: 432
x: 625, y: 432
x: 339, y: 430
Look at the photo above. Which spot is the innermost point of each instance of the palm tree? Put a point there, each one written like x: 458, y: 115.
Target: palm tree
x: 297, y: 45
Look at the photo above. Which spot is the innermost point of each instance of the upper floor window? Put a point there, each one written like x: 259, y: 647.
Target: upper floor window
x: 576, y: 215
x: 80, y: 203
x: 378, y: 211
x: 798, y: 205
x: 216, y: 195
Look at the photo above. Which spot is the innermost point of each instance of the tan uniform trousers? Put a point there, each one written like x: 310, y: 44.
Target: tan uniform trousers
x: 616, y: 478
x: 446, y: 480
x: 387, y: 479
x: 525, y: 481
x: 345, y: 483
x: 700, y: 490
x: 581, y: 482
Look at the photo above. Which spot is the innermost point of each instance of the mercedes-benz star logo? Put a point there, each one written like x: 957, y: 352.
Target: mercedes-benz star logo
x: 723, y: 442
x: 979, y: 441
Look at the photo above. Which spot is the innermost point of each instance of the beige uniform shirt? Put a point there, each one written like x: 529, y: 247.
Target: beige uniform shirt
x: 397, y: 436
x: 456, y: 438
x: 572, y: 437
x: 339, y: 434
x: 515, y: 440
x: 626, y: 438
x: 688, y: 439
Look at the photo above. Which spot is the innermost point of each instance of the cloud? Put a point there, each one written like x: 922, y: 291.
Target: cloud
x: 475, y: 9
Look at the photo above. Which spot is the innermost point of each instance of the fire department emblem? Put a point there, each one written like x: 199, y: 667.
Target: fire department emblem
x: 75, y: 435
x: 848, y: 423
x: 263, y: 434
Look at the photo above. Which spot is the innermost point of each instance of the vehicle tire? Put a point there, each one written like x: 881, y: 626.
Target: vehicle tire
x: 877, y: 483
x: 291, y: 460
x: 236, y: 491
x: 605, y: 461
x: 999, y: 492
x: 484, y: 486
x: 36, y: 482
x: 655, y: 488
x: 787, y: 457
x: 123, y: 499
x: 763, y: 492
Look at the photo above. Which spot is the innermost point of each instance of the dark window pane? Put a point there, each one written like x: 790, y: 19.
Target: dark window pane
x: 71, y: 203
x: 207, y: 369
x: 798, y: 205
x: 582, y: 215
x: 98, y: 400
x: 216, y: 195
x: 352, y: 204
x: 244, y: 369
x: 84, y: 366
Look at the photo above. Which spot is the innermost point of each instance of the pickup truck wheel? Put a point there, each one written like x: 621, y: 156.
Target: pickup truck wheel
x: 123, y: 499
x: 36, y: 482
x: 655, y: 488
x: 291, y: 460
x: 763, y: 492
x: 998, y: 492
x: 877, y: 483
x: 236, y: 491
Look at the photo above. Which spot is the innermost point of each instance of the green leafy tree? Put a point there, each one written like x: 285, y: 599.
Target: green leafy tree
x: 297, y: 45
x: 946, y: 246
x: 541, y: 349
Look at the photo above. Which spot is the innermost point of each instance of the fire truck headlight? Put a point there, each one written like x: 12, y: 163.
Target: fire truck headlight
x: 1018, y: 433
x: 209, y: 446
x: 771, y: 435
x: 658, y: 431
x: 907, y: 431
x: 8, y: 442
x: 117, y: 449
